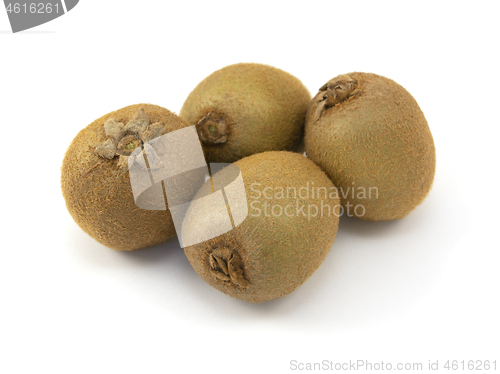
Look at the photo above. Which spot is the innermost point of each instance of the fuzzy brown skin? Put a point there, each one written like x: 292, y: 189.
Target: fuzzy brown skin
x: 98, y: 193
x: 257, y: 108
x: 372, y: 133
x: 271, y: 256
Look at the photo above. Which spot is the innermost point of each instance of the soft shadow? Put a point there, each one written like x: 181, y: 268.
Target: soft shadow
x: 353, y: 225
x: 216, y: 303
x: 155, y: 253
x: 81, y: 246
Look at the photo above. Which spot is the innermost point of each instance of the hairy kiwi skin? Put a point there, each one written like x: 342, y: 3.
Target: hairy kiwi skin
x: 275, y: 253
x: 375, y: 138
x: 98, y: 192
x: 257, y: 108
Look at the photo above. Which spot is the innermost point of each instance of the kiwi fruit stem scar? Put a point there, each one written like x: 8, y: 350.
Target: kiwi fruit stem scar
x: 212, y: 129
x: 334, y: 92
x: 225, y: 265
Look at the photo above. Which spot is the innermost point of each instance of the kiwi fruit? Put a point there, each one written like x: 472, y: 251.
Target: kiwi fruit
x: 247, y: 108
x: 372, y: 139
x: 96, y: 183
x: 293, y: 215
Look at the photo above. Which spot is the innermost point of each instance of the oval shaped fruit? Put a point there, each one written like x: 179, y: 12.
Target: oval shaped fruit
x: 293, y: 214
x: 96, y: 183
x: 370, y: 136
x: 245, y: 109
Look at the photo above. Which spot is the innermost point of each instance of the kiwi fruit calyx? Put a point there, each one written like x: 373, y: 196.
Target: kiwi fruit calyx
x: 212, y: 129
x: 333, y: 92
x: 122, y: 140
x: 226, y: 265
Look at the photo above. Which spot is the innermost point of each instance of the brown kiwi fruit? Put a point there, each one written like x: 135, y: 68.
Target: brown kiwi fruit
x: 293, y: 215
x: 371, y: 137
x: 96, y: 183
x: 247, y: 108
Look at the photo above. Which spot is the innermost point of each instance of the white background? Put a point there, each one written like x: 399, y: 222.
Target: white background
x: 422, y: 288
